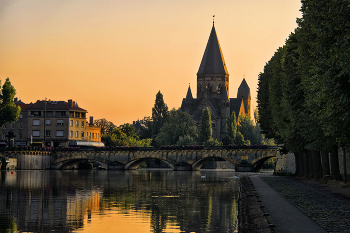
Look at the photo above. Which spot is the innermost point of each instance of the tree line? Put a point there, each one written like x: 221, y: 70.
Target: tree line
x: 304, y: 90
x: 176, y: 127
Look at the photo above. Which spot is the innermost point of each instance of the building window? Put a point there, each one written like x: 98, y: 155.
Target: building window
x: 20, y: 137
x: 76, y: 134
x: 59, y: 133
x: 77, y: 114
x: 48, y: 122
x: 36, y: 133
x: 93, y: 135
x: 76, y: 123
x: 12, y: 125
x: 35, y: 113
x: 59, y: 122
x: 20, y: 125
x: 49, y: 113
x: 82, y: 124
x: 47, y: 133
x: 71, y: 123
x: 63, y: 113
x: 3, y: 136
x: 87, y: 134
x: 71, y: 134
x: 20, y: 116
x: 82, y: 115
x: 82, y: 134
x: 36, y: 122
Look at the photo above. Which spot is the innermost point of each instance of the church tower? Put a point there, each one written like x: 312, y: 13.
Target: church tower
x: 213, y: 90
x: 212, y: 76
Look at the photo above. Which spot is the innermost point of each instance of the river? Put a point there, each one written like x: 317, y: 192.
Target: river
x: 118, y: 201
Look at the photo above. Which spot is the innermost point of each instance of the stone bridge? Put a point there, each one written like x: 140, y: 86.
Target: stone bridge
x: 178, y: 160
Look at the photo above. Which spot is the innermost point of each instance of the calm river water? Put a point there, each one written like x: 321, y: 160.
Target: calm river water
x: 118, y: 201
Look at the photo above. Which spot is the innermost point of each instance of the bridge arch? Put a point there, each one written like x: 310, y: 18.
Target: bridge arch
x: 134, y: 164
x: 198, y: 164
x: 257, y: 163
x: 64, y: 161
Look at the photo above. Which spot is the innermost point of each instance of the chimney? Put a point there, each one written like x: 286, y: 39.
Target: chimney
x: 91, y: 120
x: 70, y: 103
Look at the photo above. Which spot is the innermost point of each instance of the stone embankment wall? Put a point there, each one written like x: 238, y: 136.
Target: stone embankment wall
x: 29, y: 160
x: 285, y: 163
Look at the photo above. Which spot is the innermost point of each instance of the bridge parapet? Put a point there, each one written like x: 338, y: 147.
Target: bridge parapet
x: 178, y: 159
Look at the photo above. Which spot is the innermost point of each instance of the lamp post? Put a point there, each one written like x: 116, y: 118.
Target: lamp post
x: 45, y: 122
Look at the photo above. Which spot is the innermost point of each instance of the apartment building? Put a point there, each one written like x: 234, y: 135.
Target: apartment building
x: 53, y: 123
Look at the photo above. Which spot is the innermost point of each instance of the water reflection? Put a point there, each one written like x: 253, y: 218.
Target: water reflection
x: 118, y: 201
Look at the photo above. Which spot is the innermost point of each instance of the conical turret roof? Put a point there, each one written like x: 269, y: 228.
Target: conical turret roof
x: 243, y: 90
x: 189, y: 94
x: 213, y: 61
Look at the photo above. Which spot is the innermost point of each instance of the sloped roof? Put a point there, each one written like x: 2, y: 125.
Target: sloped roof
x: 23, y: 106
x: 213, y: 60
x: 54, y: 105
x: 243, y: 90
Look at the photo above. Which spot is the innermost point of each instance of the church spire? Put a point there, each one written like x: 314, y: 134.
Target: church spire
x: 213, y: 60
x: 189, y: 94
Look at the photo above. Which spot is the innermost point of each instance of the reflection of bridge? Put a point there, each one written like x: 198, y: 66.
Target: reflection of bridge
x: 186, y: 160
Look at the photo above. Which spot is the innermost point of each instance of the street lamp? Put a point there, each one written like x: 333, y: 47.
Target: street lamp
x: 45, y: 123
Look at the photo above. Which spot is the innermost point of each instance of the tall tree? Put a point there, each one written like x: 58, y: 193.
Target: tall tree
x: 105, y: 125
x: 9, y: 111
x: 205, y: 127
x: 159, y: 114
x: 231, y: 125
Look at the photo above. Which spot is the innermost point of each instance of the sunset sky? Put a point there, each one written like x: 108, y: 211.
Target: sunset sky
x: 113, y: 56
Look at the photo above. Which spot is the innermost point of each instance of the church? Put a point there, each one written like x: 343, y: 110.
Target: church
x: 213, y: 90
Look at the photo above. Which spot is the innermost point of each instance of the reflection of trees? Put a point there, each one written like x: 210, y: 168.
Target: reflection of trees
x: 177, y: 198
x: 7, y: 224
x: 60, y: 200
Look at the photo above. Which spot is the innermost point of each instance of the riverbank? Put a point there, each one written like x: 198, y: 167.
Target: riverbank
x: 327, y: 203
x: 250, y: 214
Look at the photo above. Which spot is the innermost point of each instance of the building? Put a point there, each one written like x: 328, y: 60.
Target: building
x: 213, y: 90
x: 54, y: 123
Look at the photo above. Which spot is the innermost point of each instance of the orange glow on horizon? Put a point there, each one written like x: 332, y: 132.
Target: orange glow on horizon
x: 112, y: 57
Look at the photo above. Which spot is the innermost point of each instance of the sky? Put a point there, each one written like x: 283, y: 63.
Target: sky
x: 113, y: 56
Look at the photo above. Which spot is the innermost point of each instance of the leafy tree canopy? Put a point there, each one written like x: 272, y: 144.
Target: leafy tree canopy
x: 178, y: 129
x: 105, y: 125
x: 9, y: 111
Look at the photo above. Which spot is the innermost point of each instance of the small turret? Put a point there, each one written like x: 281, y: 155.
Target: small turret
x: 244, y: 93
x: 189, y: 94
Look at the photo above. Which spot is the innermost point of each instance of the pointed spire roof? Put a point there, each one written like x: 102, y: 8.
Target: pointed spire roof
x: 189, y: 94
x: 213, y: 61
x: 243, y: 90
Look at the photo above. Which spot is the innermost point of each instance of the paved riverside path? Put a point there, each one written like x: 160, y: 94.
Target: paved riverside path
x: 285, y: 216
